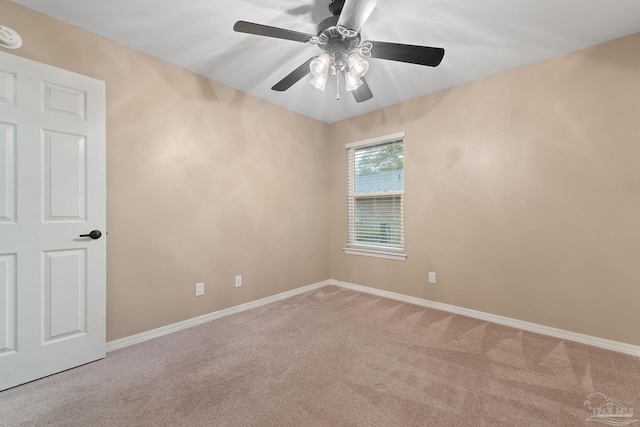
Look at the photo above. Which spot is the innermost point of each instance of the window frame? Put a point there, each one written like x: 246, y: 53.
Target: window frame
x: 357, y: 248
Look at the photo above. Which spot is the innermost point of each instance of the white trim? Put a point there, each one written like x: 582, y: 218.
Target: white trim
x: 620, y: 347
x: 375, y: 254
x: 380, y: 194
x: 155, y: 333
x: 376, y: 140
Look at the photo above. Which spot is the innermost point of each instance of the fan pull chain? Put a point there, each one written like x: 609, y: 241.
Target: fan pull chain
x: 338, y: 86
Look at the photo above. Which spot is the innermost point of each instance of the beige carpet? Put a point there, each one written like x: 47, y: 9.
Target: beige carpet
x: 335, y: 357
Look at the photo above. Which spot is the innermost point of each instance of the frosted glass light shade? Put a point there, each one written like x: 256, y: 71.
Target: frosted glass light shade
x: 320, y: 65
x: 352, y: 82
x: 320, y: 82
x: 358, y: 67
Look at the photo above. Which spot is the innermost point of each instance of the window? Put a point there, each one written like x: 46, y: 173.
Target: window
x: 375, y: 197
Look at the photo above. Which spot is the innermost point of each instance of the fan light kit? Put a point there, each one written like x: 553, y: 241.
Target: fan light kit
x: 343, y: 53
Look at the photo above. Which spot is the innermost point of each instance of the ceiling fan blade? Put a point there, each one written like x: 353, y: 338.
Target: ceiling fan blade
x: 267, y: 31
x: 293, y: 77
x: 421, y: 55
x: 355, y: 13
x: 362, y: 93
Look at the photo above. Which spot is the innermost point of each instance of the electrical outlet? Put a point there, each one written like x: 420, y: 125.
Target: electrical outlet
x: 238, y: 281
x: 199, y: 289
x: 432, y: 277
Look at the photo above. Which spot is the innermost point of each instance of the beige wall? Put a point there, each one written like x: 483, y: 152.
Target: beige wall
x: 521, y: 189
x: 522, y: 194
x: 204, y: 183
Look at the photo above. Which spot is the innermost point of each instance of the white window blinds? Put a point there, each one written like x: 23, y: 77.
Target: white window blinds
x: 375, y: 195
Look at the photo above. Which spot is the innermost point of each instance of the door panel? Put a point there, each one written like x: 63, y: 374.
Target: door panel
x: 7, y: 173
x: 65, y: 101
x: 64, y: 173
x: 7, y: 302
x: 65, y: 294
x: 52, y: 190
x: 7, y: 87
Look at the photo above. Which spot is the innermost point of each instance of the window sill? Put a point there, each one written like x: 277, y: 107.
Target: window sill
x: 376, y: 254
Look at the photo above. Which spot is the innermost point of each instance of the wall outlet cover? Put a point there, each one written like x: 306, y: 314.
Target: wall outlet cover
x: 199, y: 289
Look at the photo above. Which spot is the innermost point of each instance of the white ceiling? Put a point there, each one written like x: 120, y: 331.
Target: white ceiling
x: 481, y: 38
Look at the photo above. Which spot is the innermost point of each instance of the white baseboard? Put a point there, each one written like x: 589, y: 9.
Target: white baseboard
x: 620, y: 347
x: 154, y: 333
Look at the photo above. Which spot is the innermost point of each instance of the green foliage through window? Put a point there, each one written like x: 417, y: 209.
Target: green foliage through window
x: 380, y: 158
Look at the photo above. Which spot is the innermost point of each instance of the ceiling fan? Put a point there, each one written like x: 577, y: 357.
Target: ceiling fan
x: 342, y: 50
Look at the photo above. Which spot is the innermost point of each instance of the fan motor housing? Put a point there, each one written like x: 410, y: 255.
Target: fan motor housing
x: 331, y: 41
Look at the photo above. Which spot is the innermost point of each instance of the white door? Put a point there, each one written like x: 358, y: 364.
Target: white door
x: 52, y: 190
